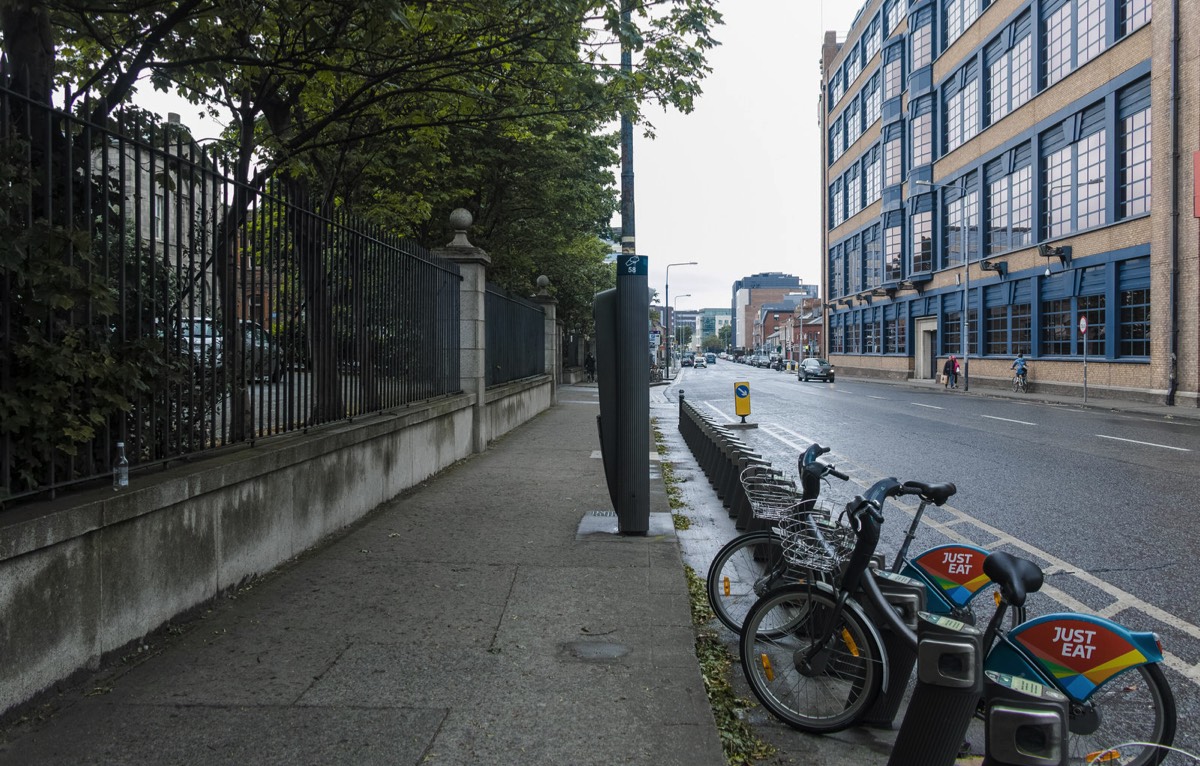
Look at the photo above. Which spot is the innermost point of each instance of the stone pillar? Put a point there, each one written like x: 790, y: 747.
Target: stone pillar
x: 472, y: 263
x: 553, y: 353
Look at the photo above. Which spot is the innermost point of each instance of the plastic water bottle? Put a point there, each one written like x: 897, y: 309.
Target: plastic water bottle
x: 120, y: 469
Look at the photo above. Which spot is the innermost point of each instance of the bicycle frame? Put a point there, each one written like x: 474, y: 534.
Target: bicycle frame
x: 953, y: 575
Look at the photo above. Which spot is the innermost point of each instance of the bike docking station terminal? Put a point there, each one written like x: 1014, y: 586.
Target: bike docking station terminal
x: 741, y: 404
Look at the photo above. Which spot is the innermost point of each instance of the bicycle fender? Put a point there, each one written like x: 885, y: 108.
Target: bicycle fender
x: 955, y: 571
x: 1078, y: 652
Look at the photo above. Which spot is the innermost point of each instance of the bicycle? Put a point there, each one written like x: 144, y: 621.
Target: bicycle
x: 656, y: 374
x: 1020, y: 383
x: 752, y: 564
x: 814, y: 658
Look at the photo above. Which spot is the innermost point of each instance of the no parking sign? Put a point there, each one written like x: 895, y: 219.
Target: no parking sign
x: 741, y: 398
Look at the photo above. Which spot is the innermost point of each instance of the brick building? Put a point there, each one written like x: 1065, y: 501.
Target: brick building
x: 994, y: 186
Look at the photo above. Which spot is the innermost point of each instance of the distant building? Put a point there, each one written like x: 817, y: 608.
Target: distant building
x: 750, y: 294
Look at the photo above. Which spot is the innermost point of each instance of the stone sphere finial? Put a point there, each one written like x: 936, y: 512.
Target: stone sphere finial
x: 543, y: 283
x: 460, y: 221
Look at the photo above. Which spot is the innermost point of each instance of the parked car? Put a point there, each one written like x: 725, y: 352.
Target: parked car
x: 687, y: 361
x: 206, y: 341
x: 813, y: 367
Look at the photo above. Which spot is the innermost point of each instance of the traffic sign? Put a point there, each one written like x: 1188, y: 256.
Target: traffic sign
x: 630, y: 265
x: 1083, y: 325
x: 741, y: 398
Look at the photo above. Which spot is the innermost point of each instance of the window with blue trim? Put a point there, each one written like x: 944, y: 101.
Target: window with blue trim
x: 959, y: 15
x: 852, y: 336
x: 894, y: 11
x: 1133, y: 114
x: 1134, y: 292
x: 837, y: 274
x: 922, y: 131
x: 1075, y: 183
x: 853, y: 65
x: 854, y: 265
x: 874, y: 174
x: 872, y: 98
x: 922, y: 39
x: 874, y: 257
x: 853, y: 190
x: 896, y: 332
x: 1009, y: 60
x: 837, y: 203
x: 1074, y: 35
x: 871, y: 39
x: 951, y: 332
x: 837, y: 340
x: 893, y: 71
x: 1009, y: 202
x: 893, y: 155
x: 871, y: 332
x: 837, y: 140
x: 893, y: 248
x: 1132, y: 14
x: 962, y: 107
x: 837, y: 88
x: 962, y: 226
x: 922, y: 242
x: 853, y: 120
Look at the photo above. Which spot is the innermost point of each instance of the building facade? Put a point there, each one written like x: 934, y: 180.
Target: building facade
x: 995, y: 186
x: 750, y: 294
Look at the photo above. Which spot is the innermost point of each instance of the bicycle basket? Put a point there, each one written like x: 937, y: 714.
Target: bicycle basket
x: 812, y: 541
x: 771, y: 495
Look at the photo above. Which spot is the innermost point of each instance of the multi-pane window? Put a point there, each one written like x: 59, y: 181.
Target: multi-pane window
x: 922, y: 46
x: 874, y: 170
x: 1135, y: 323
x: 922, y: 139
x: 1135, y: 164
x: 853, y: 65
x: 893, y: 254
x: 962, y: 229
x: 853, y: 191
x: 959, y: 15
x: 1075, y: 189
x: 853, y: 119
x: 896, y: 341
x: 895, y: 14
x: 1021, y: 315
x: 872, y: 100
x: 852, y: 345
x: 837, y: 273
x: 962, y: 115
x: 1091, y: 307
x: 837, y: 140
x: 854, y: 266
x: 1010, y: 212
x: 871, y: 40
x: 996, y: 330
x: 874, y: 256
x: 893, y: 78
x: 837, y: 88
x: 871, y: 343
x: 837, y: 340
x: 1075, y: 34
x: 1057, y: 330
x: 922, y: 242
x: 1010, y: 79
x: 1133, y: 14
x: 972, y: 331
x: 951, y: 332
x: 893, y: 162
x: 837, y: 204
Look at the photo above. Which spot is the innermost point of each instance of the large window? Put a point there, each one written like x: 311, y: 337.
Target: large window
x: 922, y: 139
x: 837, y: 204
x: 871, y: 39
x: 1135, y: 164
x: 1133, y: 14
x: 952, y: 332
x: 873, y: 100
x: 896, y: 335
x: 893, y: 78
x: 1075, y: 187
x: 959, y: 15
x: 962, y: 115
x: 922, y: 45
x: 893, y: 159
x: 1074, y: 35
x: 854, y: 265
x: 852, y: 338
x: 1057, y: 330
x: 1010, y: 79
x: 893, y: 253
x: 837, y: 88
x: 853, y: 65
x: 853, y: 190
x: 874, y: 256
x: 1135, y: 323
x: 895, y: 13
x: 1091, y: 307
x: 837, y: 273
x: 873, y: 173
x: 922, y: 242
x: 996, y: 330
x: 1010, y: 212
x: 962, y: 230
x: 1022, y: 324
x: 871, y: 341
x: 853, y: 119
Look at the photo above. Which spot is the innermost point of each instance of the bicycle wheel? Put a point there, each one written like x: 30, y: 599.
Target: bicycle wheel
x: 1016, y: 383
x: 835, y: 695
x: 1136, y: 705
x: 744, y: 569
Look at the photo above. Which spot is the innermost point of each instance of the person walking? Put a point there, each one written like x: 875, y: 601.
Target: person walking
x: 950, y: 372
x: 589, y: 366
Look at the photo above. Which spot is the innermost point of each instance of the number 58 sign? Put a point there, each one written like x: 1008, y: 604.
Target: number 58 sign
x: 632, y: 265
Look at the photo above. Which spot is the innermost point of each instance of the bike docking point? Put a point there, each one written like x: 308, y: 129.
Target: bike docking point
x: 907, y: 597
x: 949, y: 685
x: 741, y: 404
x: 1026, y: 722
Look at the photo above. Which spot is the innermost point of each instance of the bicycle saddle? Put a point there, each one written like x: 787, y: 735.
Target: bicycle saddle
x: 934, y: 493
x: 1017, y: 577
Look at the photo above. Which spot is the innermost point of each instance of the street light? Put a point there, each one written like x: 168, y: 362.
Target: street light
x: 966, y: 307
x: 677, y: 297
x: 667, y: 306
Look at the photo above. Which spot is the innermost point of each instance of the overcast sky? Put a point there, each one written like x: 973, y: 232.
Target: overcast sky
x: 736, y: 184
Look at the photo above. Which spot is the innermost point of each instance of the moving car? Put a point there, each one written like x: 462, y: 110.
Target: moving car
x: 700, y: 362
x: 813, y: 367
x: 710, y: 358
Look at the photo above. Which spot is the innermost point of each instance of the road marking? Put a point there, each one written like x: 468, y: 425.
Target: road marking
x: 1147, y: 444
x: 884, y: 398
x: 930, y: 406
x: 1010, y: 420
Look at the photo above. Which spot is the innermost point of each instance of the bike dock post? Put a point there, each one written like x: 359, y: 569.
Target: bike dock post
x: 949, y: 685
x: 1026, y: 723
x: 907, y: 597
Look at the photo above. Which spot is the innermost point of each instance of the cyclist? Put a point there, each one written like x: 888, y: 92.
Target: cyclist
x: 1022, y: 369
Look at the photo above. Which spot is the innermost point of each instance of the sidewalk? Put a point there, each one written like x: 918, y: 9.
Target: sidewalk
x: 485, y: 617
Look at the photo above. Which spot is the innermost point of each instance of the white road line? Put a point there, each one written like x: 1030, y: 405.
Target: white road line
x: 1147, y: 444
x: 1009, y: 420
x: 883, y: 398
x: 930, y: 406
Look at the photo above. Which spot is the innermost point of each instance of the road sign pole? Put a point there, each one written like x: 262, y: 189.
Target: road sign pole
x: 1083, y: 326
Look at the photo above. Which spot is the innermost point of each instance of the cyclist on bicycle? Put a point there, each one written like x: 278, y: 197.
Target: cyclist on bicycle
x: 1019, y: 365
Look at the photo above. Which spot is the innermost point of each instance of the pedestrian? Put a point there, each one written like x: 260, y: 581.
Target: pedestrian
x: 957, y: 371
x: 589, y: 365
x: 950, y: 372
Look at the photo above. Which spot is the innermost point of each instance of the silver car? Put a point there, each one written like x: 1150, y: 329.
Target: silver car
x: 813, y: 367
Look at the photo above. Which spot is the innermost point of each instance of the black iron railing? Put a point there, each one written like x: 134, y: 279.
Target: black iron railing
x: 516, y: 337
